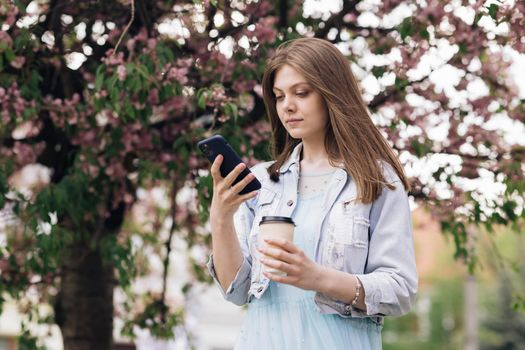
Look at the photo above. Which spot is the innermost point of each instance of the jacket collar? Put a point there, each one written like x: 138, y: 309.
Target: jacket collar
x: 293, y: 159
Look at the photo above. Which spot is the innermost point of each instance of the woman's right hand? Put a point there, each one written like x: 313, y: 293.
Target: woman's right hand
x: 226, y: 199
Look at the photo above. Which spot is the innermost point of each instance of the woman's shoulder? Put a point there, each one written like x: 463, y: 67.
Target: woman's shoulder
x: 389, y: 172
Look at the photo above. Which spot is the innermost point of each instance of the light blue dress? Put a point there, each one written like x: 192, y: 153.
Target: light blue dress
x: 286, y: 318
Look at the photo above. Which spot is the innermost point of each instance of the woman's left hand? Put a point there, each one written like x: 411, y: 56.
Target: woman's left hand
x: 283, y: 255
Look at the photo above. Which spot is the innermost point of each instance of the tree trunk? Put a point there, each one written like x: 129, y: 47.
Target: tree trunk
x: 471, y: 314
x: 84, y: 307
x: 471, y: 298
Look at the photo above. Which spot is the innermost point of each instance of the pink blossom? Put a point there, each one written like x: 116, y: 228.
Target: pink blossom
x: 166, y: 157
x: 179, y: 74
x: 130, y: 44
x: 218, y: 93
x: 18, y: 62
x: 181, y: 215
x: 259, y: 9
x: 27, y: 154
x: 193, y: 162
x: 264, y: 30
x: 144, y: 141
x: 243, y: 85
x: 350, y: 18
x: 115, y: 170
x: 93, y: 170
x: 101, y: 94
x: 246, y: 101
x: 153, y: 97
x: 114, y: 35
x: 128, y: 198
x: 151, y: 43
x: 11, y: 11
x: 248, y: 64
x: 121, y: 72
x: 5, y: 38
x: 87, y: 137
x: 113, y: 60
x: 175, y: 103
x: 258, y: 90
x: 142, y: 35
x: 184, y: 62
x: 6, y: 118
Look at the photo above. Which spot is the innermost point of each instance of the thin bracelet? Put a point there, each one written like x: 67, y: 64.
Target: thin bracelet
x: 357, y: 292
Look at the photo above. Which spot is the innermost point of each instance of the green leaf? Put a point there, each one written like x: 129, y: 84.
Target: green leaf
x: 231, y: 110
x: 99, y: 80
x: 400, y: 83
x: 202, y: 95
x: 378, y: 71
x: 420, y: 149
x: 477, y: 18
x: 425, y: 34
x: 406, y: 28
x: 462, y: 48
x: 493, y: 11
x: 10, y: 55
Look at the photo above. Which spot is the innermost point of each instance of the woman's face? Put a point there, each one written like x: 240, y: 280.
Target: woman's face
x: 300, y: 107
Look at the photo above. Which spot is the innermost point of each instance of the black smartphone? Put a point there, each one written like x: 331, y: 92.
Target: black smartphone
x: 215, y: 145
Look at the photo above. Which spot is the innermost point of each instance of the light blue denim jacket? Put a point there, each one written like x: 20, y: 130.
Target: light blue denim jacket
x: 373, y: 241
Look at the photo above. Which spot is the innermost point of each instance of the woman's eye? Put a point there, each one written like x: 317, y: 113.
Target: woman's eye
x: 302, y: 93
x: 278, y: 98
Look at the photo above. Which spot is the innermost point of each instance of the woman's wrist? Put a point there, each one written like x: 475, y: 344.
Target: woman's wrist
x: 341, y: 286
x: 220, y: 219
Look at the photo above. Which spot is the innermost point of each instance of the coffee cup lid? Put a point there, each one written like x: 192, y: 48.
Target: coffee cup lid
x: 276, y: 219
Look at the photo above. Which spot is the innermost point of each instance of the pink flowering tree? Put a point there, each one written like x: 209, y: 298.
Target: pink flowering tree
x: 105, y: 101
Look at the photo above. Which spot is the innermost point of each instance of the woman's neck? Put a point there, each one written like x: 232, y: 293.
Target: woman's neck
x: 314, y: 157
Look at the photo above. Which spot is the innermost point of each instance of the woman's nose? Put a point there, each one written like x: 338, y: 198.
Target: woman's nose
x: 289, y: 105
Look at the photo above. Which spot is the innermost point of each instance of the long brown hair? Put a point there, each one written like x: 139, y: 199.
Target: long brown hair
x: 351, y: 136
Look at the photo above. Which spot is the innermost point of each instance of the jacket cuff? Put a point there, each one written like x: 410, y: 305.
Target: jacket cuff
x: 373, y: 294
x: 242, y: 274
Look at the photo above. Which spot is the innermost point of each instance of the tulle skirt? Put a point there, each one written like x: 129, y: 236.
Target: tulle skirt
x: 286, y: 318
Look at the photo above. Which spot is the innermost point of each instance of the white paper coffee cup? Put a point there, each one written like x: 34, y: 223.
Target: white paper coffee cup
x: 275, y: 227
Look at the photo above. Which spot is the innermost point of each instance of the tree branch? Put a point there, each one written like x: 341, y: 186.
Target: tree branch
x: 283, y: 14
x: 167, y: 244
x: 336, y: 19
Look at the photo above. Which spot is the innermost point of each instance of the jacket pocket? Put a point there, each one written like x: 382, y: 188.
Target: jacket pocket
x: 346, y: 242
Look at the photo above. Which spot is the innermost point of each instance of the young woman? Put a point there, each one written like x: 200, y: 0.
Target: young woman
x: 351, y: 261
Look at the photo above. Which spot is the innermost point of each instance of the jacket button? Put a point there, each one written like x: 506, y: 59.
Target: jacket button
x: 289, y: 203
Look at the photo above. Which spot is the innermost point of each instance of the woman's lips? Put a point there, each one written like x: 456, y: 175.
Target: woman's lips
x: 293, y: 121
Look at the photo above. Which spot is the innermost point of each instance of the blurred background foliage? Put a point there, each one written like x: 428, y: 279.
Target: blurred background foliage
x: 104, y: 196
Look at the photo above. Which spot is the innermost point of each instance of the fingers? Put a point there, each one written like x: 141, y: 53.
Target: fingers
x: 230, y: 178
x: 276, y: 253
x: 284, y: 244
x: 243, y: 183
x: 290, y: 271
x: 277, y: 278
x: 277, y: 265
x: 247, y: 196
x: 215, y: 167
